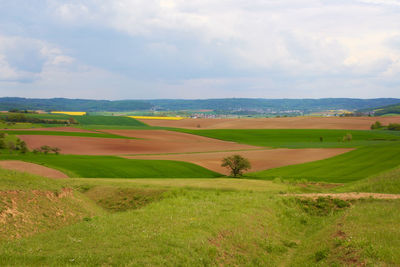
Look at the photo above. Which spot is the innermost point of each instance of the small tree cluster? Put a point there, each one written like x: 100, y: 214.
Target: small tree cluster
x: 46, y: 150
x: 376, y: 125
x: 2, y: 141
x: 11, y: 145
x: 236, y: 164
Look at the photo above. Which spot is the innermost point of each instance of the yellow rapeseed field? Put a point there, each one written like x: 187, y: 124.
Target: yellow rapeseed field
x: 156, y: 118
x: 72, y: 113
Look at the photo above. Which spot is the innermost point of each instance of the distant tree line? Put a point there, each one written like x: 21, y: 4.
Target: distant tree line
x: 19, y: 117
x: 14, y: 110
x: 391, y: 126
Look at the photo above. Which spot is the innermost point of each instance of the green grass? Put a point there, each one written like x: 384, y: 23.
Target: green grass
x: 59, y: 133
x: 119, y: 222
x: 19, y: 125
x: 117, y: 127
x: 109, y: 121
x: 365, y: 235
x: 185, y: 228
x: 115, y: 167
x: 46, y: 116
x: 297, y: 138
x: 387, y: 182
x: 230, y: 184
x: 12, y: 180
x: 351, y: 166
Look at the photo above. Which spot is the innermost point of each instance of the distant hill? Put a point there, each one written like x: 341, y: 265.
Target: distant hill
x: 384, y: 110
x: 303, y: 105
x: 7, y: 103
x: 227, y: 104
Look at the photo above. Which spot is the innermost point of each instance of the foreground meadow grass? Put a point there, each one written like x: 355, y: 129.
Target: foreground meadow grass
x: 194, y: 223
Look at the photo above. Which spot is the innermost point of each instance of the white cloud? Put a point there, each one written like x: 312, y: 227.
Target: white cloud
x: 289, y: 35
x: 23, y: 59
x: 308, y: 46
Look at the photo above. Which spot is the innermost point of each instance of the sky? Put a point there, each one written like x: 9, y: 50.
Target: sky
x: 148, y: 49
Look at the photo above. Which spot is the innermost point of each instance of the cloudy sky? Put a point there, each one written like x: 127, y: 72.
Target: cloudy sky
x: 147, y: 49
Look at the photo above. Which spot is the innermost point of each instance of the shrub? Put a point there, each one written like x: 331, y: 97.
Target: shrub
x: 394, y: 126
x: 45, y: 149
x: 2, y: 144
x: 348, y: 137
x: 56, y: 150
x: 11, y: 145
x: 23, y: 148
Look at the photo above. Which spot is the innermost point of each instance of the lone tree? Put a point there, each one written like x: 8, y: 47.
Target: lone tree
x: 236, y: 164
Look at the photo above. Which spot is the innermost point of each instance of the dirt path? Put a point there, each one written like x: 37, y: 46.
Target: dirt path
x: 348, y: 196
x: 259, y: 159
x: 350, y: 123
x: 32, y: 168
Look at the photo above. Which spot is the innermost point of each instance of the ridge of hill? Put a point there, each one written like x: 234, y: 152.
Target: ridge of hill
x: 223, y: 104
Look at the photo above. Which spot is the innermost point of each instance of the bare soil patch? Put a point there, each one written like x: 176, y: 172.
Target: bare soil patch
x: 348, y: 196
x: 32, y: 168
x: 56, y: 129
x: 259, y: 159
x: 150, y: 142
x: 25, y: 213
x: 350, y: 123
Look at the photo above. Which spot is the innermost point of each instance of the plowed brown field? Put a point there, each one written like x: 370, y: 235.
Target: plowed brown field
x: 259, y: 159
x: 152, y: 142
x: 22, y: 166
x: 55, y: 129
x: 350, y: 123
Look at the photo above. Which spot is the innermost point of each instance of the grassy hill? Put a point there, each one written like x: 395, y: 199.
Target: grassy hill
x: 393, y: 109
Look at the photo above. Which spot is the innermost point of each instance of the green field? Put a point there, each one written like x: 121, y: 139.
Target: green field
x: 108, y: 120
x: 60, y: 133
x: 116, y: 222
x: 351, y: 166
x: 115, y: 167
x: 298, y: 138
x: 18, y: 125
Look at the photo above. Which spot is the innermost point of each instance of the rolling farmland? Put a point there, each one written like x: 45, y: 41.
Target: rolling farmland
x: 164, y: 188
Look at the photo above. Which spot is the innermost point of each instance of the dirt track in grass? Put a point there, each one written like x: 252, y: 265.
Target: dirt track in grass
x: 259, y: 159
x: 149, y: 142
x: 348, y: 196
x: 32, y: 168
x: 350, y: 123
